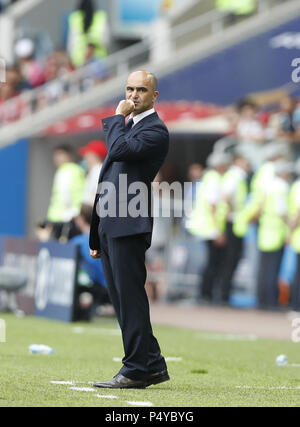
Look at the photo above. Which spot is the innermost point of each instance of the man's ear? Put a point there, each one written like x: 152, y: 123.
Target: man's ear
x: 155, y: 95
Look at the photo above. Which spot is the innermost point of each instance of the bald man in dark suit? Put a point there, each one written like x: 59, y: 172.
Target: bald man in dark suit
x: 120, y: 234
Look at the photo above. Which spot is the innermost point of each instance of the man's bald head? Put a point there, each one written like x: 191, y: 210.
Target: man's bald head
x: 141, y: 88
x: 146, y: 75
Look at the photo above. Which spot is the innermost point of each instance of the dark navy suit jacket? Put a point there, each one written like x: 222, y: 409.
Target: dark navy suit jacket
x: 138, y: 156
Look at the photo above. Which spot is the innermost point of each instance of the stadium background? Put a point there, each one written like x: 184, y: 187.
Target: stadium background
x: 203, y: 66
x: 206, y: 60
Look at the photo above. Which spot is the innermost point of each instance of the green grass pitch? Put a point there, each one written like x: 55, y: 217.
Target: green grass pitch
x: 214, y: 370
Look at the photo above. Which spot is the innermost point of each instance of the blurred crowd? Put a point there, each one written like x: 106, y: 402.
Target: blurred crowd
x: 69, y: 215
x: 86, y: 46
x: 251, y: 183
x: 5, y: 3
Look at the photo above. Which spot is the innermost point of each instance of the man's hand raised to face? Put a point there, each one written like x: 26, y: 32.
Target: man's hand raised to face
x: 125, y: 107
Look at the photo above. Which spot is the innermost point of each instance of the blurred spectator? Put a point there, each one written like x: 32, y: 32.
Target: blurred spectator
x: 31, y: 70
x: 234, y: 194
x: 249, y: 131
x: 272, y: 235
x: 155, y: 255
x: 248, y: 127
x: 87, y: 26
x: 194, y: 175
x: 90, y: 277
x: 289, y: 127
x: 5, y: 3
x: 96, y: 70
x: 13, y: 110
x: 67, y: 193
x: 206, y: 223
x: 93, y: 154
x: 294, y: 240
x: 14, y: 77
x: 56, y: 70
x: 236, y: 9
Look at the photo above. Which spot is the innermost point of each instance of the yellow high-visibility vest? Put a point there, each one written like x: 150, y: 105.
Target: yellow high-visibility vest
x: 272, y: 229
x: 79, y: 39
x: 75, y: 176
x: 293, y: 213
x: 202, y: 223
x: 238, y: 7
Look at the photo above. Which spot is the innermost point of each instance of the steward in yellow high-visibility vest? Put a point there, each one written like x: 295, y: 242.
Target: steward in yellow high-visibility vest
x: 272, y: 234
x: 208, y: 222
x: 234, y: 194
x: 273, y: 152
x: 237, y: 7
x: 80, y: 37
x: 294, y: 222
x: 67, y: 190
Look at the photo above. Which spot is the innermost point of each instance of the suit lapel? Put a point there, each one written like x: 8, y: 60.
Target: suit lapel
x: 132, y: 131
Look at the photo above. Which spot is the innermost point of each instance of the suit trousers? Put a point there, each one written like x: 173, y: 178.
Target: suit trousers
x: 232, y: 256
x: 212, y: 271
x: 295, y: 288
x: 123, y: 260
x: 267, y: 281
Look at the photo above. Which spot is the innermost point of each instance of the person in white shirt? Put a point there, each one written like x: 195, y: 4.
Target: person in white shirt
x: 93, y: 154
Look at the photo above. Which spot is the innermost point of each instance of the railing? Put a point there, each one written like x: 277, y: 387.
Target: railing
x: 117, y: 64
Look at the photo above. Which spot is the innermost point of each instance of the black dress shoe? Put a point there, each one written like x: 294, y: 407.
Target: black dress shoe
x: 157, y: 378
x: 119, y: 381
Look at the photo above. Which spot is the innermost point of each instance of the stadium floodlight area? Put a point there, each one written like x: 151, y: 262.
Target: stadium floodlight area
x: 37, y: 112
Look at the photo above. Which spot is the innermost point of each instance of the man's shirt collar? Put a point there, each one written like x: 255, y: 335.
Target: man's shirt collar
x: 142, y: 115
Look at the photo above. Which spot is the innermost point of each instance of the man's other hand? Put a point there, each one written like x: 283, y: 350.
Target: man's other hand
x: 95, y: 254
x: 125, y: 107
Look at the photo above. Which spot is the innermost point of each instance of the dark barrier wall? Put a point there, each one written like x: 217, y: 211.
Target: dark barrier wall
x: 13, y: 188
x: 258, y: 64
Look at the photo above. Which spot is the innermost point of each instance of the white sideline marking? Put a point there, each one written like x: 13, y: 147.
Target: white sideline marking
x: 63, y: 382
x: 107, y: 396
x: 83, y: 389
x: 133, y: 403
x: 95, y: 331
x: 117, y: 359
x: 173, y: 359
x: 227, y: 337
x: 267, y: 388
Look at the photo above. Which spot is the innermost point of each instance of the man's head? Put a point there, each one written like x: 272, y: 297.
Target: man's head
x: 83, y: 220
x: 195, y: 171
x: 141, y: 88
x: 246, y: 108
x: 242, y: 162
x: 288, y: 104
x: 94, y: 152
x: 62, y: 154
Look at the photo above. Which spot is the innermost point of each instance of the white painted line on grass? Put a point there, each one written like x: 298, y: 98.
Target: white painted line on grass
x: 83, y: 389
x: 283, y: 387
x: 117, y: 359
x: 133, y: 403
x: 173, y: 359
x: 227, y: 337
x: 78, y: 330
x: 96, y: 331
x: 107, y: 396
x: 63, y: 382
